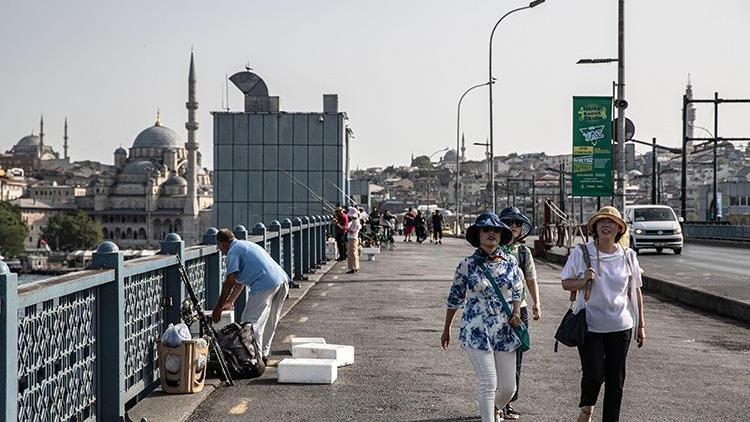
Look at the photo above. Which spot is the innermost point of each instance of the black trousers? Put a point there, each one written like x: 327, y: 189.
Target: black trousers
x: 519, y: 355
x: 603, y: 357
x: 341, y: 244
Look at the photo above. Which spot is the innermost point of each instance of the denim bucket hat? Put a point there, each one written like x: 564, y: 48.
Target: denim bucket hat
x: 488, y: 219
x: 511, y: 215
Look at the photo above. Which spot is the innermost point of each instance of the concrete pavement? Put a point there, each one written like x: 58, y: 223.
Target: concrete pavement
x: 693, y: 367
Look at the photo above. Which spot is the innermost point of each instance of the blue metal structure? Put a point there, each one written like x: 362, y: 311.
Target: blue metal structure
x: 83, y: 346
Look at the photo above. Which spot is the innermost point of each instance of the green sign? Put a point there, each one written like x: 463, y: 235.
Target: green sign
x: 592, y: 146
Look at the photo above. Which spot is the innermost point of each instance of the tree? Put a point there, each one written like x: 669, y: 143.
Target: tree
x: 422, y: 162
x: 13, y: 230
x: 74, y: 231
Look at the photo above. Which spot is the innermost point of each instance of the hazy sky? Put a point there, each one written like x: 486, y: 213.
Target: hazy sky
x: 399, y: 67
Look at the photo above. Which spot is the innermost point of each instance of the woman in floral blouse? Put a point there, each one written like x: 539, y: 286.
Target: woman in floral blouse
x: 486, y: 333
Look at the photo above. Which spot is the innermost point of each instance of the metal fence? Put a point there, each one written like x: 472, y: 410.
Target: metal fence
x: 82, y: 346
x: 727, y: 232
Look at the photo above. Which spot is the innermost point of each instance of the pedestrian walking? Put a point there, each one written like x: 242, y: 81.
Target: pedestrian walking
x: 341, y: 222
x: 352, y: 253
x: 420, y: 225
x: 408, y: 225
x: 250, y: 269
x: 614, y: 310
x: 521, y: 226
x: 437, y: 227
x: 487, y: 332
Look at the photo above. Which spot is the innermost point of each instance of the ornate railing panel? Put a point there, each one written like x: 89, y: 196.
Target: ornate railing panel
x: 57, y: 359
x: 196, y: 271
x: 144, y: 324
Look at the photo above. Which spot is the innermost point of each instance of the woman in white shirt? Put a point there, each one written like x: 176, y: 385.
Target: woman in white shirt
x: 614, y: 309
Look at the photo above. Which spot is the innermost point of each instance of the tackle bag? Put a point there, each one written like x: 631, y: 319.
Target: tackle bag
x: 241, y: 350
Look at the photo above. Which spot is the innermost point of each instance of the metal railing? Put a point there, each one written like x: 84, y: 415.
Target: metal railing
x: 727, y: 232
x: 83, y: 346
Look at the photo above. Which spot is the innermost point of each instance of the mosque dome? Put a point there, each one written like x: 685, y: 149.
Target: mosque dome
x: 176, y: 180
x: 450, y: 155
x: 121, y: 150
x: 29, y: 140
x: 27, y: 145
x: 157, y: 136
x: 139, y: 167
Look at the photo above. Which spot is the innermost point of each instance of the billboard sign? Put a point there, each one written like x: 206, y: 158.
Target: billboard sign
x: 592, y: 146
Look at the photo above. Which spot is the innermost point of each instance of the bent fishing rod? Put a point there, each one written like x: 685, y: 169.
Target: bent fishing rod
x: 347, y: 196
x: 320, y: 198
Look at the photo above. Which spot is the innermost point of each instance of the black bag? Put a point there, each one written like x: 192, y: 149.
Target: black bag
x: 241, y: 350
x: 573, y: 327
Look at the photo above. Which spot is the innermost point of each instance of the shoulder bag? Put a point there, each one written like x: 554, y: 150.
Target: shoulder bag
x: 522, y: 331
x: 573, y: 327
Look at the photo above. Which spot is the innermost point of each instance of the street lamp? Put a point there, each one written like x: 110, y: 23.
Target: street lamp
x: 487, y: 155
x: 489, y: 83
x: 458, y: 148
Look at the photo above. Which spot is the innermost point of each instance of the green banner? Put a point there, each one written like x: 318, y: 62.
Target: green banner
x: 592, y: 146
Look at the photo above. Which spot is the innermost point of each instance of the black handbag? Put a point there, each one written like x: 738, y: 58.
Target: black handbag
x: 573, y: 327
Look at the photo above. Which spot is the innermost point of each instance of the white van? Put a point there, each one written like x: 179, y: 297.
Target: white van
x: 654, y: 226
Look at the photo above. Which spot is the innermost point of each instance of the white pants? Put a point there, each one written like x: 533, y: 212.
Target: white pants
x: 497, y: 380
x: 263, y: 310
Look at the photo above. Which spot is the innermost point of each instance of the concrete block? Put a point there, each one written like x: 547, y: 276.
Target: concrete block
x: 307, y: 371
x: 302, y: 340
x: 227, y: 317
x: 342, y: 354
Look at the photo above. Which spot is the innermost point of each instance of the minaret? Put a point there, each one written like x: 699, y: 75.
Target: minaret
x: 191, y: 200
x: 690, y: 121
x: 41, y: 137
x: 463, y: 148
x: 65, y: 139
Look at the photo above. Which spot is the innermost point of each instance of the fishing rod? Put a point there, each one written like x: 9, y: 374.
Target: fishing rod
x: 347, y: 196
x: 322, y: 201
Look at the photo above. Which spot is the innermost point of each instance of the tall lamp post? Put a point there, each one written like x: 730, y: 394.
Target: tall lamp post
x: 458, y: 154
x: 429, y: 178
x: 486, y: 145
x: 489, y: 83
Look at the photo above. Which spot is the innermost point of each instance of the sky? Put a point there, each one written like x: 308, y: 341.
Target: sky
x: 399, y: 68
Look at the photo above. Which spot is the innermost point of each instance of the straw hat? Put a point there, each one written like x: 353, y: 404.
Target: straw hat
x: 611, y: 213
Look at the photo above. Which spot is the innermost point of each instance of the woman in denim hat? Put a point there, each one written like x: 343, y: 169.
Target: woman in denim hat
x: 487, y: 333
x: 521, y: 226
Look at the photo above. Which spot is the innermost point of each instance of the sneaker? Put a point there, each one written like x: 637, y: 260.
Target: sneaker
x: 510, y: 413
x: 499, y: 416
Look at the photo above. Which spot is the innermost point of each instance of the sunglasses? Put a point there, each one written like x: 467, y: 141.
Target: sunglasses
x: 491, y: 229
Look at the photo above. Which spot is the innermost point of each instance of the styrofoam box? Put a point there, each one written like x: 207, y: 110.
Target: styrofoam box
x: 342, y: 354
x: 302, y: 340
x: 371, y: 251
x: 227, y: 317
x: 307, y: 371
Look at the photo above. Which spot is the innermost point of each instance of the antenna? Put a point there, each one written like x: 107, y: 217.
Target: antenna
x: 247, y: 66
x: 226, y: 89
x: 222, y: 98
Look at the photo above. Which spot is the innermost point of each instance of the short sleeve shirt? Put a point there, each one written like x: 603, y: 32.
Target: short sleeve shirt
x: 484, y: 325
x: 254, y: 267
x: 529, y: 267
x: 608, y: 308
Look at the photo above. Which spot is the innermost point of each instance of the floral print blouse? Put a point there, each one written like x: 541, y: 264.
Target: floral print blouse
x: 484, y: 325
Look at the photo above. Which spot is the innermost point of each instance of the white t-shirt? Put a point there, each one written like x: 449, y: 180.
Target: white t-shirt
x: 608, y: 309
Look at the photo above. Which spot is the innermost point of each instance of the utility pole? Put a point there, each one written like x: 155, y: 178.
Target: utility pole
x: 621, y: 104
x: 653, y: 172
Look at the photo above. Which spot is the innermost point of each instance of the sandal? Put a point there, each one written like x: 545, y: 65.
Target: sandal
x: 585, y: 415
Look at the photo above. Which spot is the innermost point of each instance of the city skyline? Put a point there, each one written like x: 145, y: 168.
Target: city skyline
x: 398, y: 71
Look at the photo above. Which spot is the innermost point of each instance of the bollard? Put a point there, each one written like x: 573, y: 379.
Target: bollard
x: 299, y: 251
x: 9, y: 338
x: 174, y: 291
x: 213, y: 269
x: 111, y: 335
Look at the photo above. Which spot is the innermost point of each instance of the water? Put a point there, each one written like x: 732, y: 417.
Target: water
x: 28, y: 278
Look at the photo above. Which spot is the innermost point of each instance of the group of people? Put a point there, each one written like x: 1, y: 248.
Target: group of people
x: 348, y: 226
x: 494, y: 284
x: 416, y: 224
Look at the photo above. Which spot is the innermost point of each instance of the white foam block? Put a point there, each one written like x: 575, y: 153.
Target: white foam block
x: 342, y: 354
x: 371, y: 251
x: 302, y: 340
x: 307, y: 371
x: 227, y: 317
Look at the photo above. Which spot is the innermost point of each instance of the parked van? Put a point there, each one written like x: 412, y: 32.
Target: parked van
x: 654, y: 227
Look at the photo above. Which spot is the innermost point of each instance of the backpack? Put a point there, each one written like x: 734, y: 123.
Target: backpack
x: 241, y: 350
x: 522, y: 253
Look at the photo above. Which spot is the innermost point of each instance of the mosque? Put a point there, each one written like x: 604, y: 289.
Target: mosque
x: 155, y: 187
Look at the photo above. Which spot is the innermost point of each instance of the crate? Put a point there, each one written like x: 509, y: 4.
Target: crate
x: 188, y: 378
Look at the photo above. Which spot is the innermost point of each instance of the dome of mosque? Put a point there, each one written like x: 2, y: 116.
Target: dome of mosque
x: 140, y: 167
x: 29, y: 140
x: 27, y: 145
x: 176, y: 180
x: 157, y: 136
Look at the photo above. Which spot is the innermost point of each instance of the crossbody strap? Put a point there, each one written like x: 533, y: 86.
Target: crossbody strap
x: 498, y: 292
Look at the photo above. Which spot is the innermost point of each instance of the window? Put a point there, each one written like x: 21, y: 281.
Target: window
x: 654, y: 214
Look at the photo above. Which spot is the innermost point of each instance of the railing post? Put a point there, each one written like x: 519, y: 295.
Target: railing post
x: 326, y: 227
x: 276, y: 245
x: 259, y: 229
x: 321, y: 239
x: 213, y: 269
x: 110, y: 332
x: 240, y: 232
x: 9, y: 338
x: 306, y: 245
x: 299, y: 250
x: 287, y: 249
x: 173, y: 288
x: 314, y: 235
